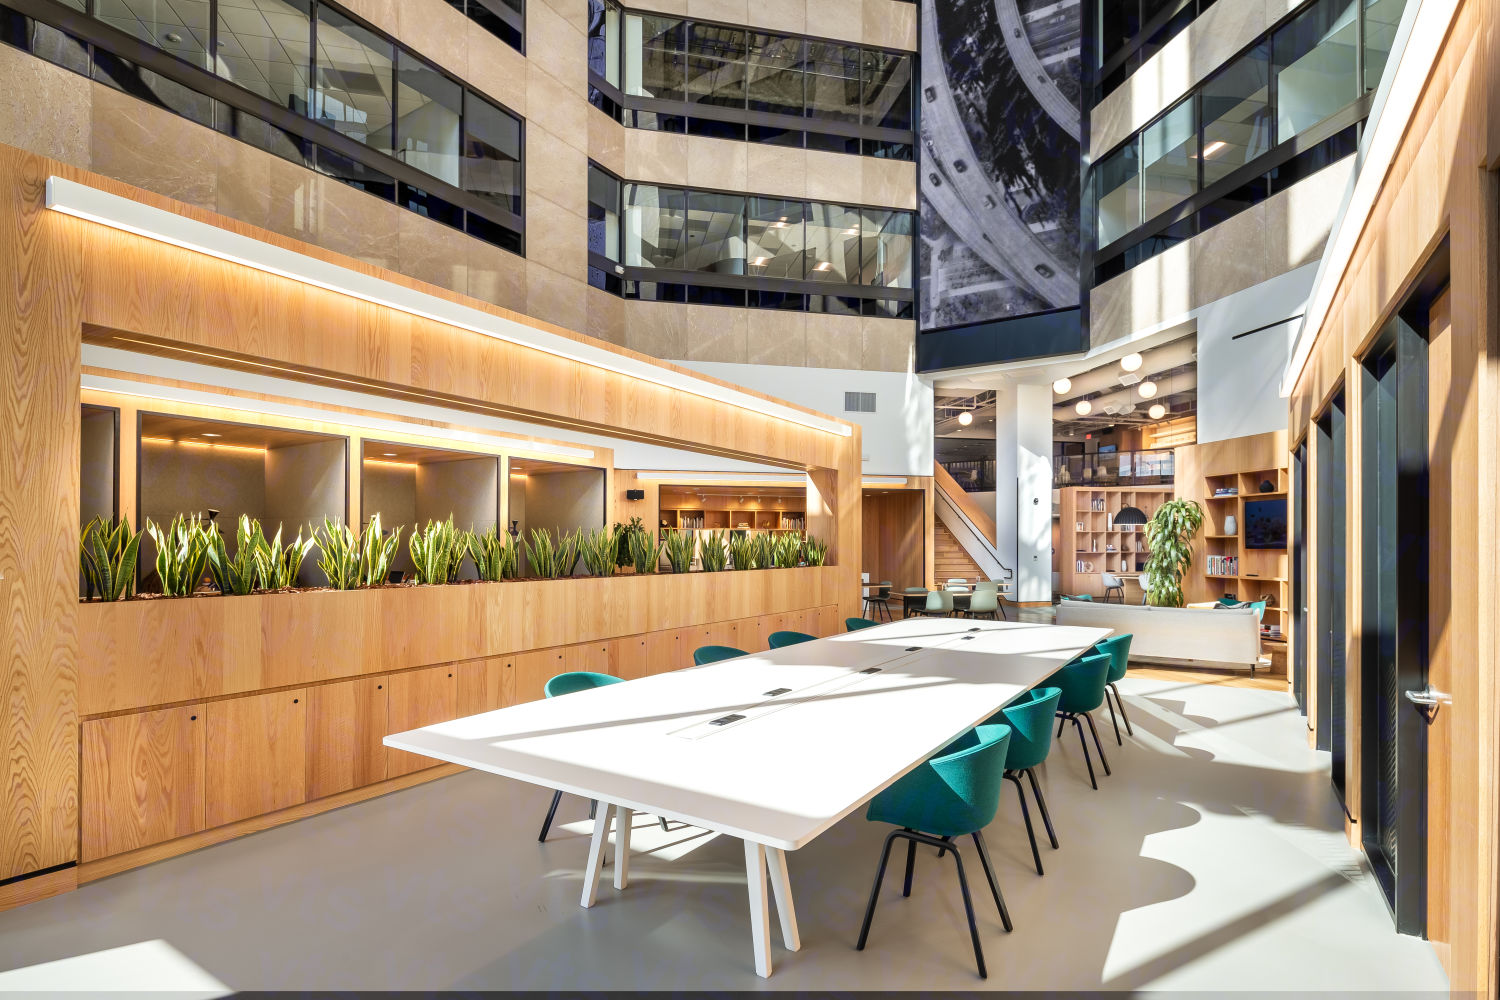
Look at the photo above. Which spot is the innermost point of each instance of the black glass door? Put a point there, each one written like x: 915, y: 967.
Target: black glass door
x: 1299, y: 576
x: 1331, y: 585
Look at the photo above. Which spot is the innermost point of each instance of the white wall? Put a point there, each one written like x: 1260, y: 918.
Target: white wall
x: 897, y: 437
x: 1023, y: 488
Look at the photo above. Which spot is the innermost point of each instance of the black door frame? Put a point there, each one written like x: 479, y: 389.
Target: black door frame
x: 1333, y: 569
x: 1299, y: 576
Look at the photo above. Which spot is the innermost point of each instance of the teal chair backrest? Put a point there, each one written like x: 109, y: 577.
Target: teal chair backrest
x: 780, y: 639
x: 1078, y: 597
x: 577, y: 680
x: 855, y: 624
x: 952, y: 794
x: 1030, y: 728
x: 940, y: 601
x: 1082, y: 683
x: 1117, y: 648
x: 1260, y: 609
x: 713, y: 654
x: 984, y: 601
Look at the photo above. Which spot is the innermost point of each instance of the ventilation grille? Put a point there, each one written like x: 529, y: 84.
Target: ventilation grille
x: 859, y: 402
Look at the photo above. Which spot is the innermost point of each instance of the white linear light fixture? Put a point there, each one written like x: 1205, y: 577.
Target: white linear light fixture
x: 92, y: 205
x: 761, y: 478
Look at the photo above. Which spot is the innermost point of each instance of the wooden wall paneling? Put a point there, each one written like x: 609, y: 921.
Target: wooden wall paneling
x: 345, y: 725
x: 257, y: 755
x: 1443, y: 545
x: 418, y: 698
x: 143, y: 779
x: 894, y: 538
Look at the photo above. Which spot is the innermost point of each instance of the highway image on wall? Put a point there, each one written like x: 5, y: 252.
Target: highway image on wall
x: 1000, y: 154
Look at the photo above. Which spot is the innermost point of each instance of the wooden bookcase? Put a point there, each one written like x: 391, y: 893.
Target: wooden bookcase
x: 1092, y: 544
x: 709, y: 509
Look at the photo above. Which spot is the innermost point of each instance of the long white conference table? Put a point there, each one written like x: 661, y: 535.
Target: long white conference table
x: 772, y: 748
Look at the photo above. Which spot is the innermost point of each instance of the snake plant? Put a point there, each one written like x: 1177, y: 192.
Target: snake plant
x: 1169, y: 534
x: 765, y: 550
x: 495, y: 554
x: 550, y: 560
x: 181, y: 553
x: 679, y: 547
x: 742, y: 550
x: 241, y: 574
x: 377, y: 552
x: 788, y: 549
x: 438, y: 552
x: 338, y: 558
x: 645, y: 552
x: 817, y: 551
x: 600, y: 549
x: 712, y: 551
x: 278, y: 566
x: 107, y: 555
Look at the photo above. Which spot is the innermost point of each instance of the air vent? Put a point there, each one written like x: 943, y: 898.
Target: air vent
x: 859, y: 402
x: 1129, y: 378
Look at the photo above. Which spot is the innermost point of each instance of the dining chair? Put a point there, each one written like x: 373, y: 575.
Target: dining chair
x: 1145, y: 582
x: 913, y: 599
x: 1117, y: 648
x: 987, y: 585
x: 1030, y: 724
x: 939, y: 604
x: 984, y: 604
x: 855, y: 624
x: 713, y: 654
x: 875, y: 604
x: 1112, y: 585
x: 1082, y: 683
x: 956, y: 581
x: 570, y: 683
x: 780, y: 639
x: 953, y: 794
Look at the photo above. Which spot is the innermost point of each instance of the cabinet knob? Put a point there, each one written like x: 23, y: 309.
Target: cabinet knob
x: 295, y: 700
x: 379, y: 687
x: 193, y: 718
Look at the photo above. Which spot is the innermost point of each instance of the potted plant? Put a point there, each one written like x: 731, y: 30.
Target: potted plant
x: 1170, y: 534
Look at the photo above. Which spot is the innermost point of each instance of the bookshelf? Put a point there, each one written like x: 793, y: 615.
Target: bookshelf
x: 733, y: 510
x: 1092, y: 544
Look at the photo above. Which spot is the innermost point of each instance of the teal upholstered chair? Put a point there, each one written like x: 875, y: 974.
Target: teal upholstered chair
x: 855, y: 624
x: 954, y: 794
x: 1259, y: 607
x: 570, y: 683
x: 780, y: 639
x: 984, y: 604
x: 1082, y: 683
x: 1030, y: 724
x: 1117, y: 648
x: 713, y: 654
x: 1078, y: 597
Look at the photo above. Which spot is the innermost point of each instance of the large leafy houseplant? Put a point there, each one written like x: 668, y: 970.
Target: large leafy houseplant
x: 107, y: 555
x: 1170, y: 534
x: 627, y: 532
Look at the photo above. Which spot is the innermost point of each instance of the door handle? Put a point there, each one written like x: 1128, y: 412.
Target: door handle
x: 1429, y: 700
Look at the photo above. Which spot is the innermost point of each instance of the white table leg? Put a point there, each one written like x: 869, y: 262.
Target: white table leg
x: 596, y: 854
x: 760, y: 909
x: 781, y: 886
x: 624, y: 818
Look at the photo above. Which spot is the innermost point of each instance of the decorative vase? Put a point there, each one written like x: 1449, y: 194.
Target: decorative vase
x: 1231, y: 526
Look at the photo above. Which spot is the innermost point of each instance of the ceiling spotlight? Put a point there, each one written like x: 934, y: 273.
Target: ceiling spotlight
x: 1084, y: 408
x: 1131, y: 362
x: 1062, y: 385
x: 1147, y: 390
x: 966, y: 418
x: 1157, y: 411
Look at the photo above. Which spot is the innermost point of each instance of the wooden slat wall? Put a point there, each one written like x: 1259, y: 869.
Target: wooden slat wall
x: 894, y: 538
x: 1440, y: 184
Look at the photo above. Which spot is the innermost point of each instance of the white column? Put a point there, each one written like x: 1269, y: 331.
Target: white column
x: 1023, y: 488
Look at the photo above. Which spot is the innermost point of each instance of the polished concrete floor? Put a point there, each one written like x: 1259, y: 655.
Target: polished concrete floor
x: 1212, y: 859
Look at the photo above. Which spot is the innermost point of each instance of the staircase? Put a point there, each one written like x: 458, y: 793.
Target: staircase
x: 949, y: 560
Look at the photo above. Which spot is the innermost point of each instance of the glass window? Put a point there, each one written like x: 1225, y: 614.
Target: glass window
x: 355, y: 174
x: 355, y: 80
x: 775, y: 74
x: 887, y: 89
x: 655, y: 226
x: 604, y: 41
x: 832, y: 81
x: 774, y: 232
x: 716, y: 65
x: 604, y: 214
x: 716, y: 232
x: 1169, y: 160
x: 264, y: 47
x: 832, y: 243
x: 492, y: 153
x: 147, y: 85
x: 430, y: 105
x: 176, y: 26
x: 885, y: 249
x: 1117, y: 181
x: 505, y: 19
x: 1314, y: 57
x: 1382, y: 18
x: 1118, y: 21
x: 1236, y: 108
x: 44, y: 41
x: 654, y: 63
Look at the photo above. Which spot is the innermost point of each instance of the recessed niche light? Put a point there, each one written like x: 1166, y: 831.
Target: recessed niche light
x: 388, y: 454
x: 1214, y: 147
x: 1084, y: 408
x: 209, y: 434
x: 1147, y: 390
x: 1062, y: 385
x: 1131, y: 362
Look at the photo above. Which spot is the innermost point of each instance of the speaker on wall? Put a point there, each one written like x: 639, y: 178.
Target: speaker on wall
x: 635, y: 494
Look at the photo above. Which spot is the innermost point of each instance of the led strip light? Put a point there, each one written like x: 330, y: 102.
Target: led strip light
x: 117, y: 212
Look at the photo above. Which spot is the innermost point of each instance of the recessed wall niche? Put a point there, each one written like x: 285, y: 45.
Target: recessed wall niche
x: 409, y: 485
x: 290, y: 479
x: 552, y: 496
x: 99, y: 463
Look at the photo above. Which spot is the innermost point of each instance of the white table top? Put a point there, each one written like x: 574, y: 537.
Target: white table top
x: 797, y: 762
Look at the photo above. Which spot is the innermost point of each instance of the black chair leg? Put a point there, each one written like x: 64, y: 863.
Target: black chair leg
x: 911, y: 864
x: 593, y: 807
x: 1083, y: 741
x: 1099, y: 746
x: 963, y: 883
x: 1026, y: 815
x: 665, y: 828
x: 1112, y: 717
x: 989, y: 873
x: 885, y: 855
x: 552, y: 811
x: 1041, y: 802
x: 1062, y: 722
x: 1121, y: 702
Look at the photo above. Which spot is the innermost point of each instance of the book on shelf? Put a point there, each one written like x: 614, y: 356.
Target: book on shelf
x: 1222, y: 565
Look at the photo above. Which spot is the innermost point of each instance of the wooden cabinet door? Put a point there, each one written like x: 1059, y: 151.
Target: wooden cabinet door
x: 485, y: 685
x: 418, y: 698
x: 633, y: 657
x: 661, y: 651
x: 829, y: 622
x: 534, y: 670
x: 143, y: 780
x: 594, y: 657
x: 690, y: 639
x: 345, y: 724
x: 257, y: 755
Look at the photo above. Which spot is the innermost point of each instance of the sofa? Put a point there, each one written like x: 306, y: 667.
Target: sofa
x: 1227, y: 637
